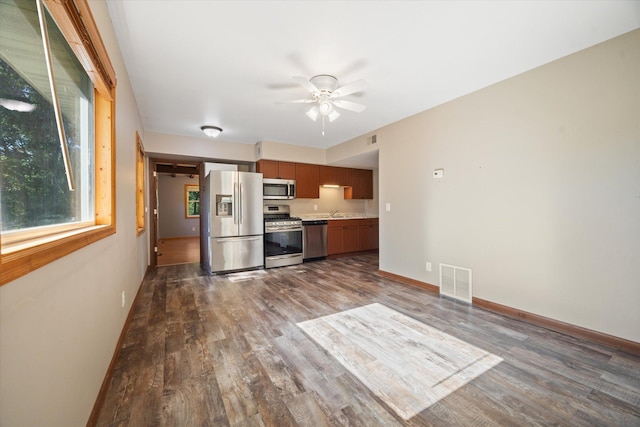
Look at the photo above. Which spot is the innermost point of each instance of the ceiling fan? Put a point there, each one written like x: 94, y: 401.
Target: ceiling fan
x: 326, y: 94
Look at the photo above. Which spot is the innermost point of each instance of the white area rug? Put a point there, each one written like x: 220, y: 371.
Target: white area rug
x: 404, y: 362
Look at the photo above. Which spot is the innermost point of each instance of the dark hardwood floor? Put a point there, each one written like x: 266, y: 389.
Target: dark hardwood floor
x: 226, y: 350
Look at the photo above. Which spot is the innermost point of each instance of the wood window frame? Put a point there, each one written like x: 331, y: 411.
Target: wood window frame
x: 76, y: 23
x: 140, y: 187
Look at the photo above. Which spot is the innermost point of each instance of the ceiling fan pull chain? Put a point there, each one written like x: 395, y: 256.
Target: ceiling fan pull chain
x: 322, y: 125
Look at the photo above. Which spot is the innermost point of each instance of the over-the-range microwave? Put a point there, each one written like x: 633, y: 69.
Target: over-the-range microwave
x: 279, y: 189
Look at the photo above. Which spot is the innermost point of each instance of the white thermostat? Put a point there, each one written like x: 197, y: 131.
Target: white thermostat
x: 438, y: 173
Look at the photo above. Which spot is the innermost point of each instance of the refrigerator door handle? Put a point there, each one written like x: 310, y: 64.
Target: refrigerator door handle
x: 236, y: 200
x: 236, y: 239
x: 240, y: 207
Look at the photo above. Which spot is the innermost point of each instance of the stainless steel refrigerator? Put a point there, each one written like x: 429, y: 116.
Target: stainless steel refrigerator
x: 235, y: 226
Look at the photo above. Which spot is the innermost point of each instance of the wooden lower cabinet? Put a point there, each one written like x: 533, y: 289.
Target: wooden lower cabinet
x: 350, y: 241
x: 334, y: 241
x: 352, y: 235
x: 364, y: 236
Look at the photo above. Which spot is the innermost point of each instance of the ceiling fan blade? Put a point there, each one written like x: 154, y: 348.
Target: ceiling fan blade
x: 305, y: 83
x: 350, y: 88
x: 298, y: 101
x: 348, y: 105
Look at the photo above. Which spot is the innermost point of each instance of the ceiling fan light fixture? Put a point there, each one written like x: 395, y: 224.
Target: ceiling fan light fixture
x: 313, y: 113
x: 325, y: 107
x: 211, y: 131
x: 333, y: 115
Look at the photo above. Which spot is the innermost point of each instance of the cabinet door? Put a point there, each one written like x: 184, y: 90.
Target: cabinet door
x: 367, y: 184
x: 307, y: 181
x: 375, y: 235
x: 268, y: 168
x: 350, y: 238
x: 334, y: 240
x: 286, y: 170
x: 328, y: 175
x: 343, y: 176
x: 364, y: 237
x: 361, y: 185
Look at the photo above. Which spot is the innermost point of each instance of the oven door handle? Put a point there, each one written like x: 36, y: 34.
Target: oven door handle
x: 297, y: 254
x: 279, y: 230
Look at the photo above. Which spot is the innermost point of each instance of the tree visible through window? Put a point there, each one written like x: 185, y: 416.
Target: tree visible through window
x: 192, y: 201
x: 64, y: 78
x: 33, y: 182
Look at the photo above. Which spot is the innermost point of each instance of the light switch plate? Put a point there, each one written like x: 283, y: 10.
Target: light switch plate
x: 388, y: 207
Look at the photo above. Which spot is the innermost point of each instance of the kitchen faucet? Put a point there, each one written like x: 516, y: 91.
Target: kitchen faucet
x: 332, y: 213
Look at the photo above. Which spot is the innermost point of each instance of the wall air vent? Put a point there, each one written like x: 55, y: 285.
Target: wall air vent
x: 456, y: 282
x: 373, y: 139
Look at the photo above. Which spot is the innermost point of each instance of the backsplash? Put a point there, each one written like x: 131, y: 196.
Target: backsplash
x: 330, y: 200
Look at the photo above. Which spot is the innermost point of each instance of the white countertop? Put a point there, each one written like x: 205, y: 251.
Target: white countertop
x: 338, y: 215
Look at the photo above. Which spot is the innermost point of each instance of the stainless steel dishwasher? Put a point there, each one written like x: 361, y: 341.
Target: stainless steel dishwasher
x: 314, y: 239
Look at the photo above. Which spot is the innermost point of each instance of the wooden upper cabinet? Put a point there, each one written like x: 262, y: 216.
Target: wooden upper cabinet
x: 328, y: 175
x: 344, y: 176
x: 268, y: 168
x: 361, y: 185
x: 307, y: 181
x: 275, y: 169
x: 332, y: 175
x: 287, y: 170
x: 358, y: 183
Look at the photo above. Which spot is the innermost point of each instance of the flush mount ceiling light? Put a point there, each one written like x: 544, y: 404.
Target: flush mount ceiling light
x: 211, y: 131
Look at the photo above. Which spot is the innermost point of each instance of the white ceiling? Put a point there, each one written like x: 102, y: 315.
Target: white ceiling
x: 230, y: 63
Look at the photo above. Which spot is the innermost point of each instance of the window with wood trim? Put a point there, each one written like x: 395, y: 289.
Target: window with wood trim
x: 140, y: 186
x: 57, y: 112
x: 191, y: 201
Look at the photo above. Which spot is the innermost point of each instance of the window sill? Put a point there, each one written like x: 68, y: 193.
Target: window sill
x: 21, y: 258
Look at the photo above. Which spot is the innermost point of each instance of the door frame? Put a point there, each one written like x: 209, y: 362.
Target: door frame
x: 165, y: 165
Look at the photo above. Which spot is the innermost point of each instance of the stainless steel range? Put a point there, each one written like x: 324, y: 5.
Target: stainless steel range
x: 282, y: 237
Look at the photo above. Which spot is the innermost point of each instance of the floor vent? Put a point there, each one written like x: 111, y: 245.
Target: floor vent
x: 455, y: 282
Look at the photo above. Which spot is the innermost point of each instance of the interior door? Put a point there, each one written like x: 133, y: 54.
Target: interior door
x: 205, y: 212
x: 153, y: 214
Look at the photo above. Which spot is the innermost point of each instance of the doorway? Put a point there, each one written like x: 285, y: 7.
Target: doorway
x: 175, y: 225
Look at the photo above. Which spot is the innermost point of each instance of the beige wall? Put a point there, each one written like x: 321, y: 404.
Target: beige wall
x: 541, y: 190
x: 172, y: 219
x: 289, y: 153
x: 352, y: 148
x: 59, y: 325
x: 170, y: 146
